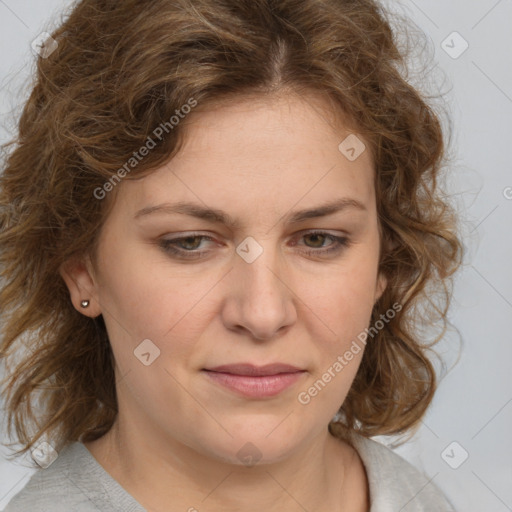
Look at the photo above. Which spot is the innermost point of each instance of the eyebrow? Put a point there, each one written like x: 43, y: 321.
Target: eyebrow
x: 221, y: 217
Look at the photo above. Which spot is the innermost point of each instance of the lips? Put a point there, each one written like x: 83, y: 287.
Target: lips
x: 253, y: 381
x: 255, y: 371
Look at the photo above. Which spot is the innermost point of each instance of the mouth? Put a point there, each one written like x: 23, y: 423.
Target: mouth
x: 255, y: 381
x: 248, y: 369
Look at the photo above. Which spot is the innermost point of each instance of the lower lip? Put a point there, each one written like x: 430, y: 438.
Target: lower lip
x: 256, y: 386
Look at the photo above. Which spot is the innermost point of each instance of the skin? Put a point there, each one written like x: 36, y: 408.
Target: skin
x: 174, y: 445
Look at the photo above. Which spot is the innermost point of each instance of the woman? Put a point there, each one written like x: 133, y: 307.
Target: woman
x: 222, y: 227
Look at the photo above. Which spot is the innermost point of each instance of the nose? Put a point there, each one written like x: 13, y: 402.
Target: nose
x: 259, y: 299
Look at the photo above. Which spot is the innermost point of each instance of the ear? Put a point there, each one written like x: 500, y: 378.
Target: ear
x: 380, y: 287
x: 79, y: 278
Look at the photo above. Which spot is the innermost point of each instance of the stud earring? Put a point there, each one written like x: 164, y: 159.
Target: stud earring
x: 84, y: 303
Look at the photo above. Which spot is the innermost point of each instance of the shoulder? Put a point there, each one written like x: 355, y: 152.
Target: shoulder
x: 74, y: 481
x: 394, y: 483
x: 54, y: 488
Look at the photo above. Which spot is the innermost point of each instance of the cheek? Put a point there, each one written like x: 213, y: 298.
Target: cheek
x: 150, y: 300
x: 341, y: 313
x: 141, y: 302
x: 344, y: 300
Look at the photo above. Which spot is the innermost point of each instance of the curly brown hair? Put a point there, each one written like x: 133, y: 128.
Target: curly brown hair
x: 118, y: 71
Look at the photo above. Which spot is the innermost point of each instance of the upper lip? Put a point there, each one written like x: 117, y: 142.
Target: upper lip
x: 250, y: 369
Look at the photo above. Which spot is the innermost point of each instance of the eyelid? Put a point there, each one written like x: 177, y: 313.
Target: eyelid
x: 339, y: 243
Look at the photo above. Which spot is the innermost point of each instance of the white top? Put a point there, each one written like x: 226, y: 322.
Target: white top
x: 77, y: 482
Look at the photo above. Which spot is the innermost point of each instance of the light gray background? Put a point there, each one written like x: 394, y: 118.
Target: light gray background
x: 473, y: 406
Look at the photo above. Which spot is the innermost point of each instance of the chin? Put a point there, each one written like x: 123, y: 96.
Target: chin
x: 255, y: 444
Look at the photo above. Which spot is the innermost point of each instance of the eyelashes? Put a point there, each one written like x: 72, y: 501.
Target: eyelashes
x: 171, y: 246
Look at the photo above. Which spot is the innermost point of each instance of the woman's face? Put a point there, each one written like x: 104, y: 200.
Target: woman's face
x: 264, y: 290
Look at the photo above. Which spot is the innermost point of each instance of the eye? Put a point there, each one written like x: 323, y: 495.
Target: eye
x: 189, y: 244
x: 339, y: 243
x: 187, y: 247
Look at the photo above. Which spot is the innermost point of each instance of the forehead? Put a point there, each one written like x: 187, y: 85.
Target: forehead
x: 291, y: 118
x: 260, y: 152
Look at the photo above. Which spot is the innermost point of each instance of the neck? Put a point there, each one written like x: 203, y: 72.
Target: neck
x: 178, y: 478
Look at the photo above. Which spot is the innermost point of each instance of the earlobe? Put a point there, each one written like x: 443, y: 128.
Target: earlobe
x: 77, y: 275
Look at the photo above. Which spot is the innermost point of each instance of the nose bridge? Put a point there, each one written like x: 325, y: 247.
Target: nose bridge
x: 261, y: 274
x: 261, y: 302
x: 259, y: 271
